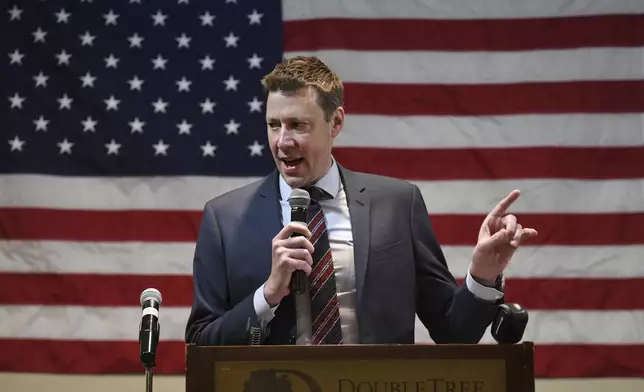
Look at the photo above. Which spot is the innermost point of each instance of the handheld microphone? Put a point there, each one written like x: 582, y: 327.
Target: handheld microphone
x: 149, y: 328
x: 509, y: 324
x: 299, y: 201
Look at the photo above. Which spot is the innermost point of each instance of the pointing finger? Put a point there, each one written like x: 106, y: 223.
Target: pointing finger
x: 504, y: 204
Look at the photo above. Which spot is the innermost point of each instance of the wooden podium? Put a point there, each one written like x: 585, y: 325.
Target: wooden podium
x: 361, y: 368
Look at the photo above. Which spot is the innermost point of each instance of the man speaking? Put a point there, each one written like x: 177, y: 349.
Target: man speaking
x: 368, y: 253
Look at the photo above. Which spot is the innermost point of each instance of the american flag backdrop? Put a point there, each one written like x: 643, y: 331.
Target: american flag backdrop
x: 120, y: 119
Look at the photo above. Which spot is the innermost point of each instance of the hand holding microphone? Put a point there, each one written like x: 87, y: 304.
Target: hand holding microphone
x: 291, y: 252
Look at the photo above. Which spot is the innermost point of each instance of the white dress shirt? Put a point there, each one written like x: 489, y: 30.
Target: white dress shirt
x: 336, y: 212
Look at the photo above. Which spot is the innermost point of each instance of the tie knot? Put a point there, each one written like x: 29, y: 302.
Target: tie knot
x: 317, y: 194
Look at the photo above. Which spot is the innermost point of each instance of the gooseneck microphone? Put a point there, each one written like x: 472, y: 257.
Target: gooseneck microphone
x: 299, y: 201
x: 149, y: 328
x: 509, y: 324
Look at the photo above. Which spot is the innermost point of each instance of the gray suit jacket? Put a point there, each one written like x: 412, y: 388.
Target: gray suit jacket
x: 400, y: 268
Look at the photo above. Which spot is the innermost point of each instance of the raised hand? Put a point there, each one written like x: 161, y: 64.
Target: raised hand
x: 499, y: 237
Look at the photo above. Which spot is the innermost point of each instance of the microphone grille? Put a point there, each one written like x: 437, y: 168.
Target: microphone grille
x: 150, y: 293
x: 299, y: 198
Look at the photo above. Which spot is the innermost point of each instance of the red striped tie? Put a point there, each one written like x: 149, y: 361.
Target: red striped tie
x: 325, y: 310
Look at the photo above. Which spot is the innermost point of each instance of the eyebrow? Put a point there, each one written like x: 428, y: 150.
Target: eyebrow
x: 289, y: 119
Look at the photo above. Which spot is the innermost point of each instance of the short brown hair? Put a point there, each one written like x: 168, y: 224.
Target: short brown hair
x: 307, y: 71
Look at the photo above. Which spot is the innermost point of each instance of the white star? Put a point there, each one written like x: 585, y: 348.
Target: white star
x: 88, y: 80
x: 208, y: 149
x: 112, y: 147
x: 135, y: 40
x: 111, y: 62
x: 231, y: 40
x: 256, y: 149
x: 207, y: 106
x: 159, y: 18
x: 255, y: 61
x: 207, y: 19
x: 160, y: 148
x: 183, y: 2
x: 62, y: 16
x: 135, y: 1
x: 136, y: 125
x: 39, y: 35
x: 231, y: 83
x: 232, y: 127
x: 112, y: 103
x: 16, y: 144
x: 15, y: 13
x: 87, y: 39
x: 231, y: 1
x: 159, y: 62
x: 16, y: 57
x: 63, y: 57
x: 110, y: 18
x: 184, y: 127
x: 16, y: 101
x: 89, y: 125
x: 41, y: 79
x: 255, y: 105
x: 255, y: 17
x: 207, y: 63
x: 183, y: 41
x: 135, y: 83
x: 159, y: 106
x: 184, y: 84
x: 65, y: 147
x: 41, y: 124
x: 65, y: 102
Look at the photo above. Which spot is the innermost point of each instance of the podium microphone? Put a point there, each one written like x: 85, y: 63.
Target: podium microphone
x: 149, y: 329
x: 299, y: 201
x: 510, y: 323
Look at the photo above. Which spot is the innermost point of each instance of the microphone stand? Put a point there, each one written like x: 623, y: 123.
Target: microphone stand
x: 148, y: 379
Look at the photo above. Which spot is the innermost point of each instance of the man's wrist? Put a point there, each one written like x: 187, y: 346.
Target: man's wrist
x: 484, y: 279
x: 272, y: 298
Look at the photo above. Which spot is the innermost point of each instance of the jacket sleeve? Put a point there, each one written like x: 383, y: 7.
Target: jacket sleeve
x: 451, y: 314
x: 213, y: 321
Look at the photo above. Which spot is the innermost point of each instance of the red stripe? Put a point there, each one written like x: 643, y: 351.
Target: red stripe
x: 554, y: 229
x: 43, y: 356
x: 461, y: 35
x: 496, y: 163
x: 533, y: 293
x: 87, y: 225
x: 495, y: 99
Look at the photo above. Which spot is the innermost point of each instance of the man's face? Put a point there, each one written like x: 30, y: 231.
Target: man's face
x: 299, y: 137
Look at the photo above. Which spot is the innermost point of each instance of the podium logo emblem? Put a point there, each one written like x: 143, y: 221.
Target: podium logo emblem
x: 278, y: 380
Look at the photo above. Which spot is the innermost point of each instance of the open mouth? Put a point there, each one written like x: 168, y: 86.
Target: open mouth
x: 290, y: 163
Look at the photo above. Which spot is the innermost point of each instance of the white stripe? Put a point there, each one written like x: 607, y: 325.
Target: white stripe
x: 441, y: 197
x: 422, y: 67
x: 122, y: 323
x: 141, y: 258
x: 570, y: 327
x: 462, y: 9
x: 566, y: 130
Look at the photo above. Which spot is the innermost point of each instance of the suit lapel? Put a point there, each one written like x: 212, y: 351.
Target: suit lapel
x: 268, y: 211
x: 359, y: 209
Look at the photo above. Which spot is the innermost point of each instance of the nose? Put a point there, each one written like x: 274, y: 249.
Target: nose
x: 285, y: 139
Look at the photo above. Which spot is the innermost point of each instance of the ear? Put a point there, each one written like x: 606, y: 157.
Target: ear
x: 337, y: 122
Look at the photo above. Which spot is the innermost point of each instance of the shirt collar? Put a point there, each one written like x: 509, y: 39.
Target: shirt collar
x: 330, y: 182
